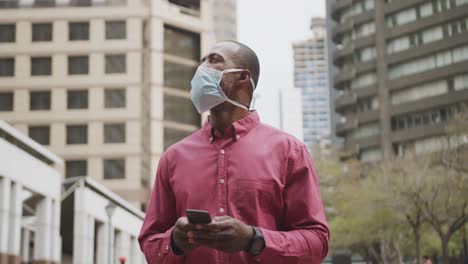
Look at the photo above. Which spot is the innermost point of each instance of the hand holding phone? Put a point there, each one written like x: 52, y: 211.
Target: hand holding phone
x: 198, y: 216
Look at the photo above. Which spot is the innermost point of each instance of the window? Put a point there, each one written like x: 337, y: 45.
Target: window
x: 7, y: 67
x: 178, y: 75
x: 116, y: 30
x: 44, y: 3
x: 116, y: 63
x: 181, y: 110
x: 77, y: 99
x: 7, y: 33
x: 114, y: 133
x: 193, y: 4
x: 75, y: 168
x: 78, y: 31
x: 39, y: 100
x: 40, y: 134
x: 419, y: 92
x: 77, y: 134
x: 78, y: 65
x: 461, y: 82
x: 80, y: 2
x: 172, y: 136
x: 181, y: 43
x: 9, y: 3
x: 42, y: 32
x: 114, y: 98
x: 41, y: 66
x: 114, y: 169
x: 6, y: 101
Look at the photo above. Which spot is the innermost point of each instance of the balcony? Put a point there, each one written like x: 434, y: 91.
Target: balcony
x: 338, y: 5
x: 346, y: 52
x: 342, y: 127
x: 344, y: 100
x: 340, y: 29
x: 344, y: 76
x: 187, y: 7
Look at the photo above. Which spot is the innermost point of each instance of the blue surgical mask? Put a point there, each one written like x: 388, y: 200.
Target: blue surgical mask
x: 206, y: 89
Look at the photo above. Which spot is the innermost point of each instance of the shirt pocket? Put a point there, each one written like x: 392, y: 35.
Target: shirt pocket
x: 257, y: 202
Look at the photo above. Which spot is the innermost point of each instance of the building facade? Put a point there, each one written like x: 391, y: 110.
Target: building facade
x: 311, y: 76
x: 402, y: 73
x: 290, y: 112
x: 30, y: 199
x: 104, y: 84
x: 225, y: 19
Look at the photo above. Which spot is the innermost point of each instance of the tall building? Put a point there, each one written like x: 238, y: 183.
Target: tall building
x: 290, y: 112
x: 402, y: 73
x: 225, y: 19
x: 311, y: 76
x: 105, y: 84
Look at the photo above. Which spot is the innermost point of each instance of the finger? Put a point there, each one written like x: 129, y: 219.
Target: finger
x: 184, y: 224
x: 219, y: 225
x: 221, y: 218
x: 203, y: 235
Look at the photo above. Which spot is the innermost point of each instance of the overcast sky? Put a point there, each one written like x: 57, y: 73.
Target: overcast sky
x: 270, y: 27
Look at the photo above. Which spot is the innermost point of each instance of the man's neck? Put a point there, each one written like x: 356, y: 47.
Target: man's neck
x: 223, y: 118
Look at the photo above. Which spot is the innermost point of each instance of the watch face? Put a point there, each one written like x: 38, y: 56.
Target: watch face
x: 256, y: 246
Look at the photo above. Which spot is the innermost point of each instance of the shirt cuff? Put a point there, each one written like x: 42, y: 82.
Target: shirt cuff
x: 177, y: 251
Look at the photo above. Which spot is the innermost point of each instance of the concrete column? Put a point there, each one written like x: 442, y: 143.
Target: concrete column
x: 135, y: 254
x: 80, y: 229
x: 102, y: 243
x: 5, y: 186
x: 56, y: 240
x: 382, y: 77
x: 26, y: 237
x: 90, y: 242
x: 122, y: 246
x: 42, y: 243
x: 14, y: 235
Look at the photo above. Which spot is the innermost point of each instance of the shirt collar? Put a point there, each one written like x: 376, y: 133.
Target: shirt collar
x: 238, y: 129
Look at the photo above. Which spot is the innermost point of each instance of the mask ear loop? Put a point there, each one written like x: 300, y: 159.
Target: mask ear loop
x: 252, y: 102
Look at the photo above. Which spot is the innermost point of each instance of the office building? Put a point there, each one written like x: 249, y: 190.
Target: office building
x: 46, y: 220
x: 104, y: 84
x: 402, y: 73
x: 225, y: 19
x: 311, y: 76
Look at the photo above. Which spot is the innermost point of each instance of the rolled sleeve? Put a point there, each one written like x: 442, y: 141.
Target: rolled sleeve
x: 306, y: 235
x: 155, y: 234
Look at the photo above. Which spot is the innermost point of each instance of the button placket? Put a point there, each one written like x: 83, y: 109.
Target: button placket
x: 222, y: 171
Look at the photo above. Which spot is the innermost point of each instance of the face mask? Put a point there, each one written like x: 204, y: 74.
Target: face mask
x: 206, y: 89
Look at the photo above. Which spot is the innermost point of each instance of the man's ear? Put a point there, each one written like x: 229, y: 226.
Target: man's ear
x: 246, y: 75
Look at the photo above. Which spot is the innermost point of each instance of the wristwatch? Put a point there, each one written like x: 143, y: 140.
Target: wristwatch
x: 257, y: 242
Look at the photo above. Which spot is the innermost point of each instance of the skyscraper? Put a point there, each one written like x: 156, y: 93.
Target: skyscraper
x: 225, y: 19
x: 290, y: 112
x: 311, y: 76
x: 402, y: 73
x: 105, y: 84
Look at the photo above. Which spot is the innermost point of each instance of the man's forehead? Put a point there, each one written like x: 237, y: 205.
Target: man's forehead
x: 225, y: 49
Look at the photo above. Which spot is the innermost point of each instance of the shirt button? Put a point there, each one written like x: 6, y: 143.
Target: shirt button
x: 221, y: 210
x: 238, y: 136
x: 222, y: 151
x: 221, y: 181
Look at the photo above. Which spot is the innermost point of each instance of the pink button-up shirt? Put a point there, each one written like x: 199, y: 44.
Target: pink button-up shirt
x: 254, y: 173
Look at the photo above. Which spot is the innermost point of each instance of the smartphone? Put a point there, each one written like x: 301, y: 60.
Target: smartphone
x: 198, y: 216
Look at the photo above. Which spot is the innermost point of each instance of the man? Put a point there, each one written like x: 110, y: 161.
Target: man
x: 427, y: 260
x: 257, y: 182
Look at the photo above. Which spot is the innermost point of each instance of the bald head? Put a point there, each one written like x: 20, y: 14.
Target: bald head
x: 245, y: 58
